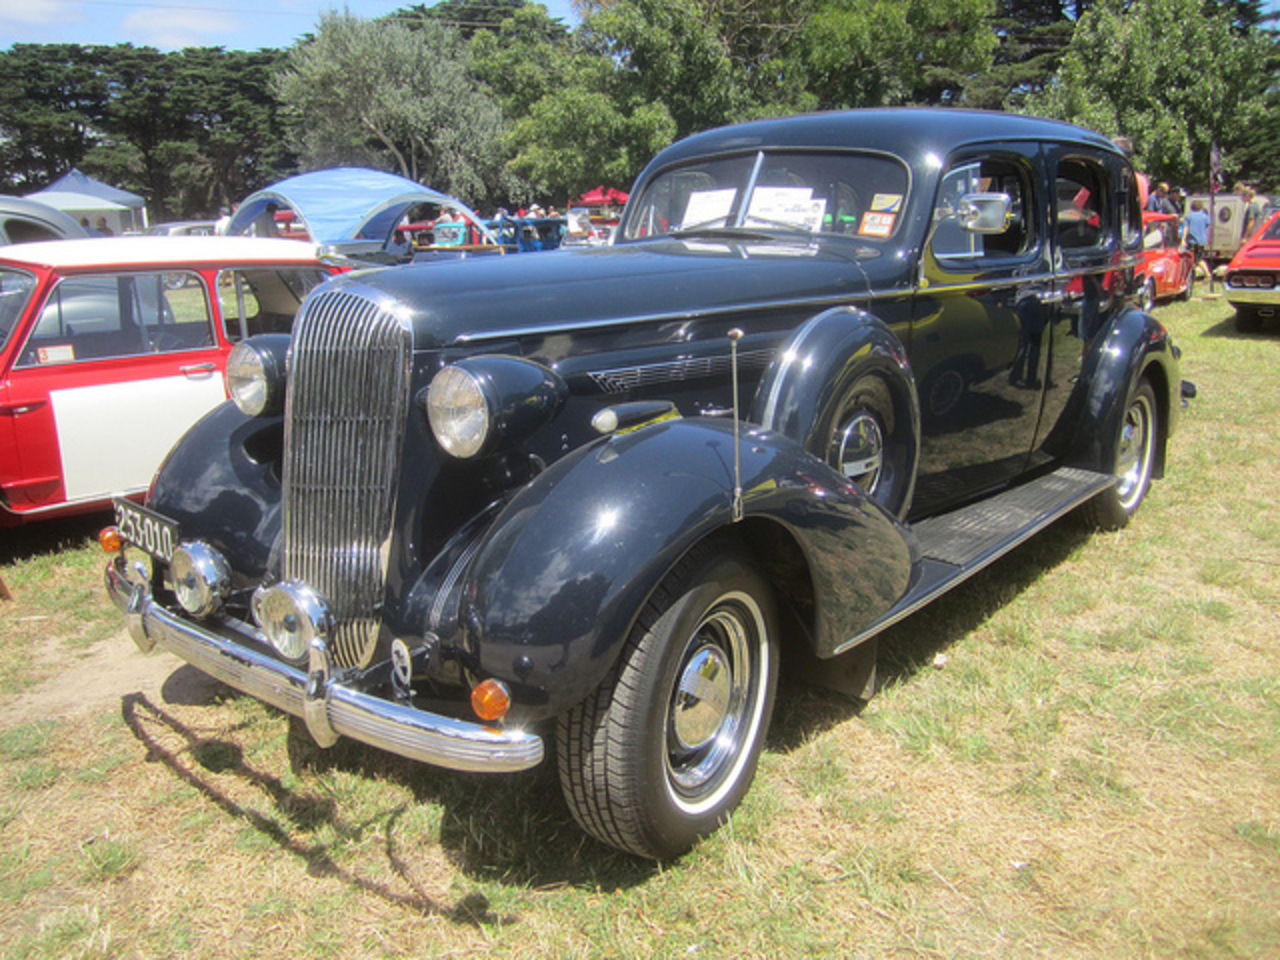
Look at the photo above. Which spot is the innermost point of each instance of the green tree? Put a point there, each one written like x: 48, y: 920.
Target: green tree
x: 1032, y: 37
x: 234, y: 125
x: 53, y: 98
x: 1175, y: 76
x: 667, y: 52
x: 861, y: 53
x: 378, y: 93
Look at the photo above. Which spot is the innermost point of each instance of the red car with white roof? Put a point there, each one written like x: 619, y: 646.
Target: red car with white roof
x: 111, y: 348
x: 1253, y: 277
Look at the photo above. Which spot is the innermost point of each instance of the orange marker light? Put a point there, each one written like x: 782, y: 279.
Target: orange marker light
x: 490, y: 700
x: 110, y: 540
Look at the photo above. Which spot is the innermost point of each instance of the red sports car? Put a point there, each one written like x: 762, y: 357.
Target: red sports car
x: 1253, y: 277
x: 111, y: 348
x: 1167, y: 270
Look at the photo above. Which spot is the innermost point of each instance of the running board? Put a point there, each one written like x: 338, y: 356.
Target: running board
x: 954, y: 546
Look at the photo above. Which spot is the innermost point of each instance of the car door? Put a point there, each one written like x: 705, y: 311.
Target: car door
x: 979, y: 329
x: 1097, y: 239
x: 114, y: 369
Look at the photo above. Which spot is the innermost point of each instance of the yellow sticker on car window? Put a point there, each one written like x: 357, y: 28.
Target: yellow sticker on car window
x: 887, y: 203
x: 877, y: 224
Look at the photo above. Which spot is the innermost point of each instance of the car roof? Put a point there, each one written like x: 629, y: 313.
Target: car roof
x: 143, y: 251
x: 913, y: 133
x: 57, y: 220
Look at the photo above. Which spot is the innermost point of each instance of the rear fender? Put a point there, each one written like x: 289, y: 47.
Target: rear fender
x: 1136, y: 346
x: 565, y: 569
x: 803, y: 392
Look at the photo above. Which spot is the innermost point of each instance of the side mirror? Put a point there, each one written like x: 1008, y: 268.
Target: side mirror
x: 985, y: 213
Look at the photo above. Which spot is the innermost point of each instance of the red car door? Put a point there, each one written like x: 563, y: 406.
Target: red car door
x: 112, y: 370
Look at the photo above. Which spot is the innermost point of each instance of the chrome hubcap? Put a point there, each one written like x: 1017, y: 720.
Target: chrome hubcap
x: 858, y: 450
x: 702, y: 699
x: 1133, y: 460
x: 711, y: 718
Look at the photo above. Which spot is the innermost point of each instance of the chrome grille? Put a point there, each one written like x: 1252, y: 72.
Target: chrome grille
x: 344, y: 423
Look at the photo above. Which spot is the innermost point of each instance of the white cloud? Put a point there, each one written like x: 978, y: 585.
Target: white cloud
x: 35, y: 13
x: 173, y: 29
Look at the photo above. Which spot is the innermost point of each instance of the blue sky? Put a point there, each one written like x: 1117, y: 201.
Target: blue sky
x: 174, y: 24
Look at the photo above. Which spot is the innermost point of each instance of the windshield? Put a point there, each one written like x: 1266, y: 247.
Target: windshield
x: 843, y: 194
x: 15, y: 290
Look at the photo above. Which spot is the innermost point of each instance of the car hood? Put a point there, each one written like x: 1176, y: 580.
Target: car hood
x: 470, y: 300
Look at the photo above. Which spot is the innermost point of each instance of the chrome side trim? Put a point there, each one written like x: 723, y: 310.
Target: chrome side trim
x: 328, y: 704
x: 623, y: 379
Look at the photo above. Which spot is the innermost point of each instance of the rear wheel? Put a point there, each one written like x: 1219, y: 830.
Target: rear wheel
x: 1149, y: 294
x: 1189, y: 288
x: 665, y: 749
x: 1134, y: 462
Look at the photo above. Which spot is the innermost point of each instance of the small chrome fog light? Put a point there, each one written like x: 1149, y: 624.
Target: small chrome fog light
x: 291, y: 615
x: 201, y: 578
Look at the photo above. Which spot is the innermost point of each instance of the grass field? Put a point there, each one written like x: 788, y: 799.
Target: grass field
x: 1076, y: 755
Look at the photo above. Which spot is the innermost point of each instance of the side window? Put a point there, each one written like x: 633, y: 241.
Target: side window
x: 990, y: 176
x: 94, y: 318
x: 264, y: 299
x: 1081, y: 211
x: 1131, y: 220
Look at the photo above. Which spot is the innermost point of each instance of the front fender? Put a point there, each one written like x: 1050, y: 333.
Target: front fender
x: 568, y: 565
x: 1135, y: 346
x: 221, y: 484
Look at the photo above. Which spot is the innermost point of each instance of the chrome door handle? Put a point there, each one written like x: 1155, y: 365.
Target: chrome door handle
x: 192, y: 369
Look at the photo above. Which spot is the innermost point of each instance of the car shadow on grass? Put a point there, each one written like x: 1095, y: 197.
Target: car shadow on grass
x: 804, y: 710
x: 516, y: 829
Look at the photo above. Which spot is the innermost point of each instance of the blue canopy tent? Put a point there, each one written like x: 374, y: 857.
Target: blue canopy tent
x: 350, y: 211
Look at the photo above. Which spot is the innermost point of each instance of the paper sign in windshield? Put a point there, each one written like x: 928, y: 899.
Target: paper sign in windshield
x: 708, y: 208
x: 786, y: 207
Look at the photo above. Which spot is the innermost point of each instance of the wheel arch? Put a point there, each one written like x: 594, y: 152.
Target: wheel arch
x: 551, y: 597
x: 803, y: 387
x: 1136, y: 346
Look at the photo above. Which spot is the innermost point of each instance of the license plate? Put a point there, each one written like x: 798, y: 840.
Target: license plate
x: 146, y: 529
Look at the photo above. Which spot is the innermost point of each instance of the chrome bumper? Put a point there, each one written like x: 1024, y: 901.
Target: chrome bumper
x: 329, y: 708
x: 1254, y: 295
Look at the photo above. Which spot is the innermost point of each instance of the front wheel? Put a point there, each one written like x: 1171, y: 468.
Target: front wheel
x: 1134, y: 463
x: 665, y: 749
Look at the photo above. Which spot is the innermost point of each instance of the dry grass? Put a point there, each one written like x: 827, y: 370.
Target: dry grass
x: 1076, y: 756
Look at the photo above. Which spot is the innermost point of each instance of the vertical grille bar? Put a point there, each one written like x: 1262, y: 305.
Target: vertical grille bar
x: 344, y: 424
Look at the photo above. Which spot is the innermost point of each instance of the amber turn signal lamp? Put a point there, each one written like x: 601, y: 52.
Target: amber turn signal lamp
x: 490, y: 700
x: 110, y: 540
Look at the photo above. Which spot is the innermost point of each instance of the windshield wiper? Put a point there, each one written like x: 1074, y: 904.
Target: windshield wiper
x: 725, y: 233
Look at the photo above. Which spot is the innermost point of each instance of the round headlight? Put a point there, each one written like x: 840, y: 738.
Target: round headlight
x: 291, y: 615
x: 255, y: 374
x: 459, y: 414
x: 201, y: 578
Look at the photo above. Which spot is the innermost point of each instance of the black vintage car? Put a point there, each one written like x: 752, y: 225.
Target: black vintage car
x: 830, y: 367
